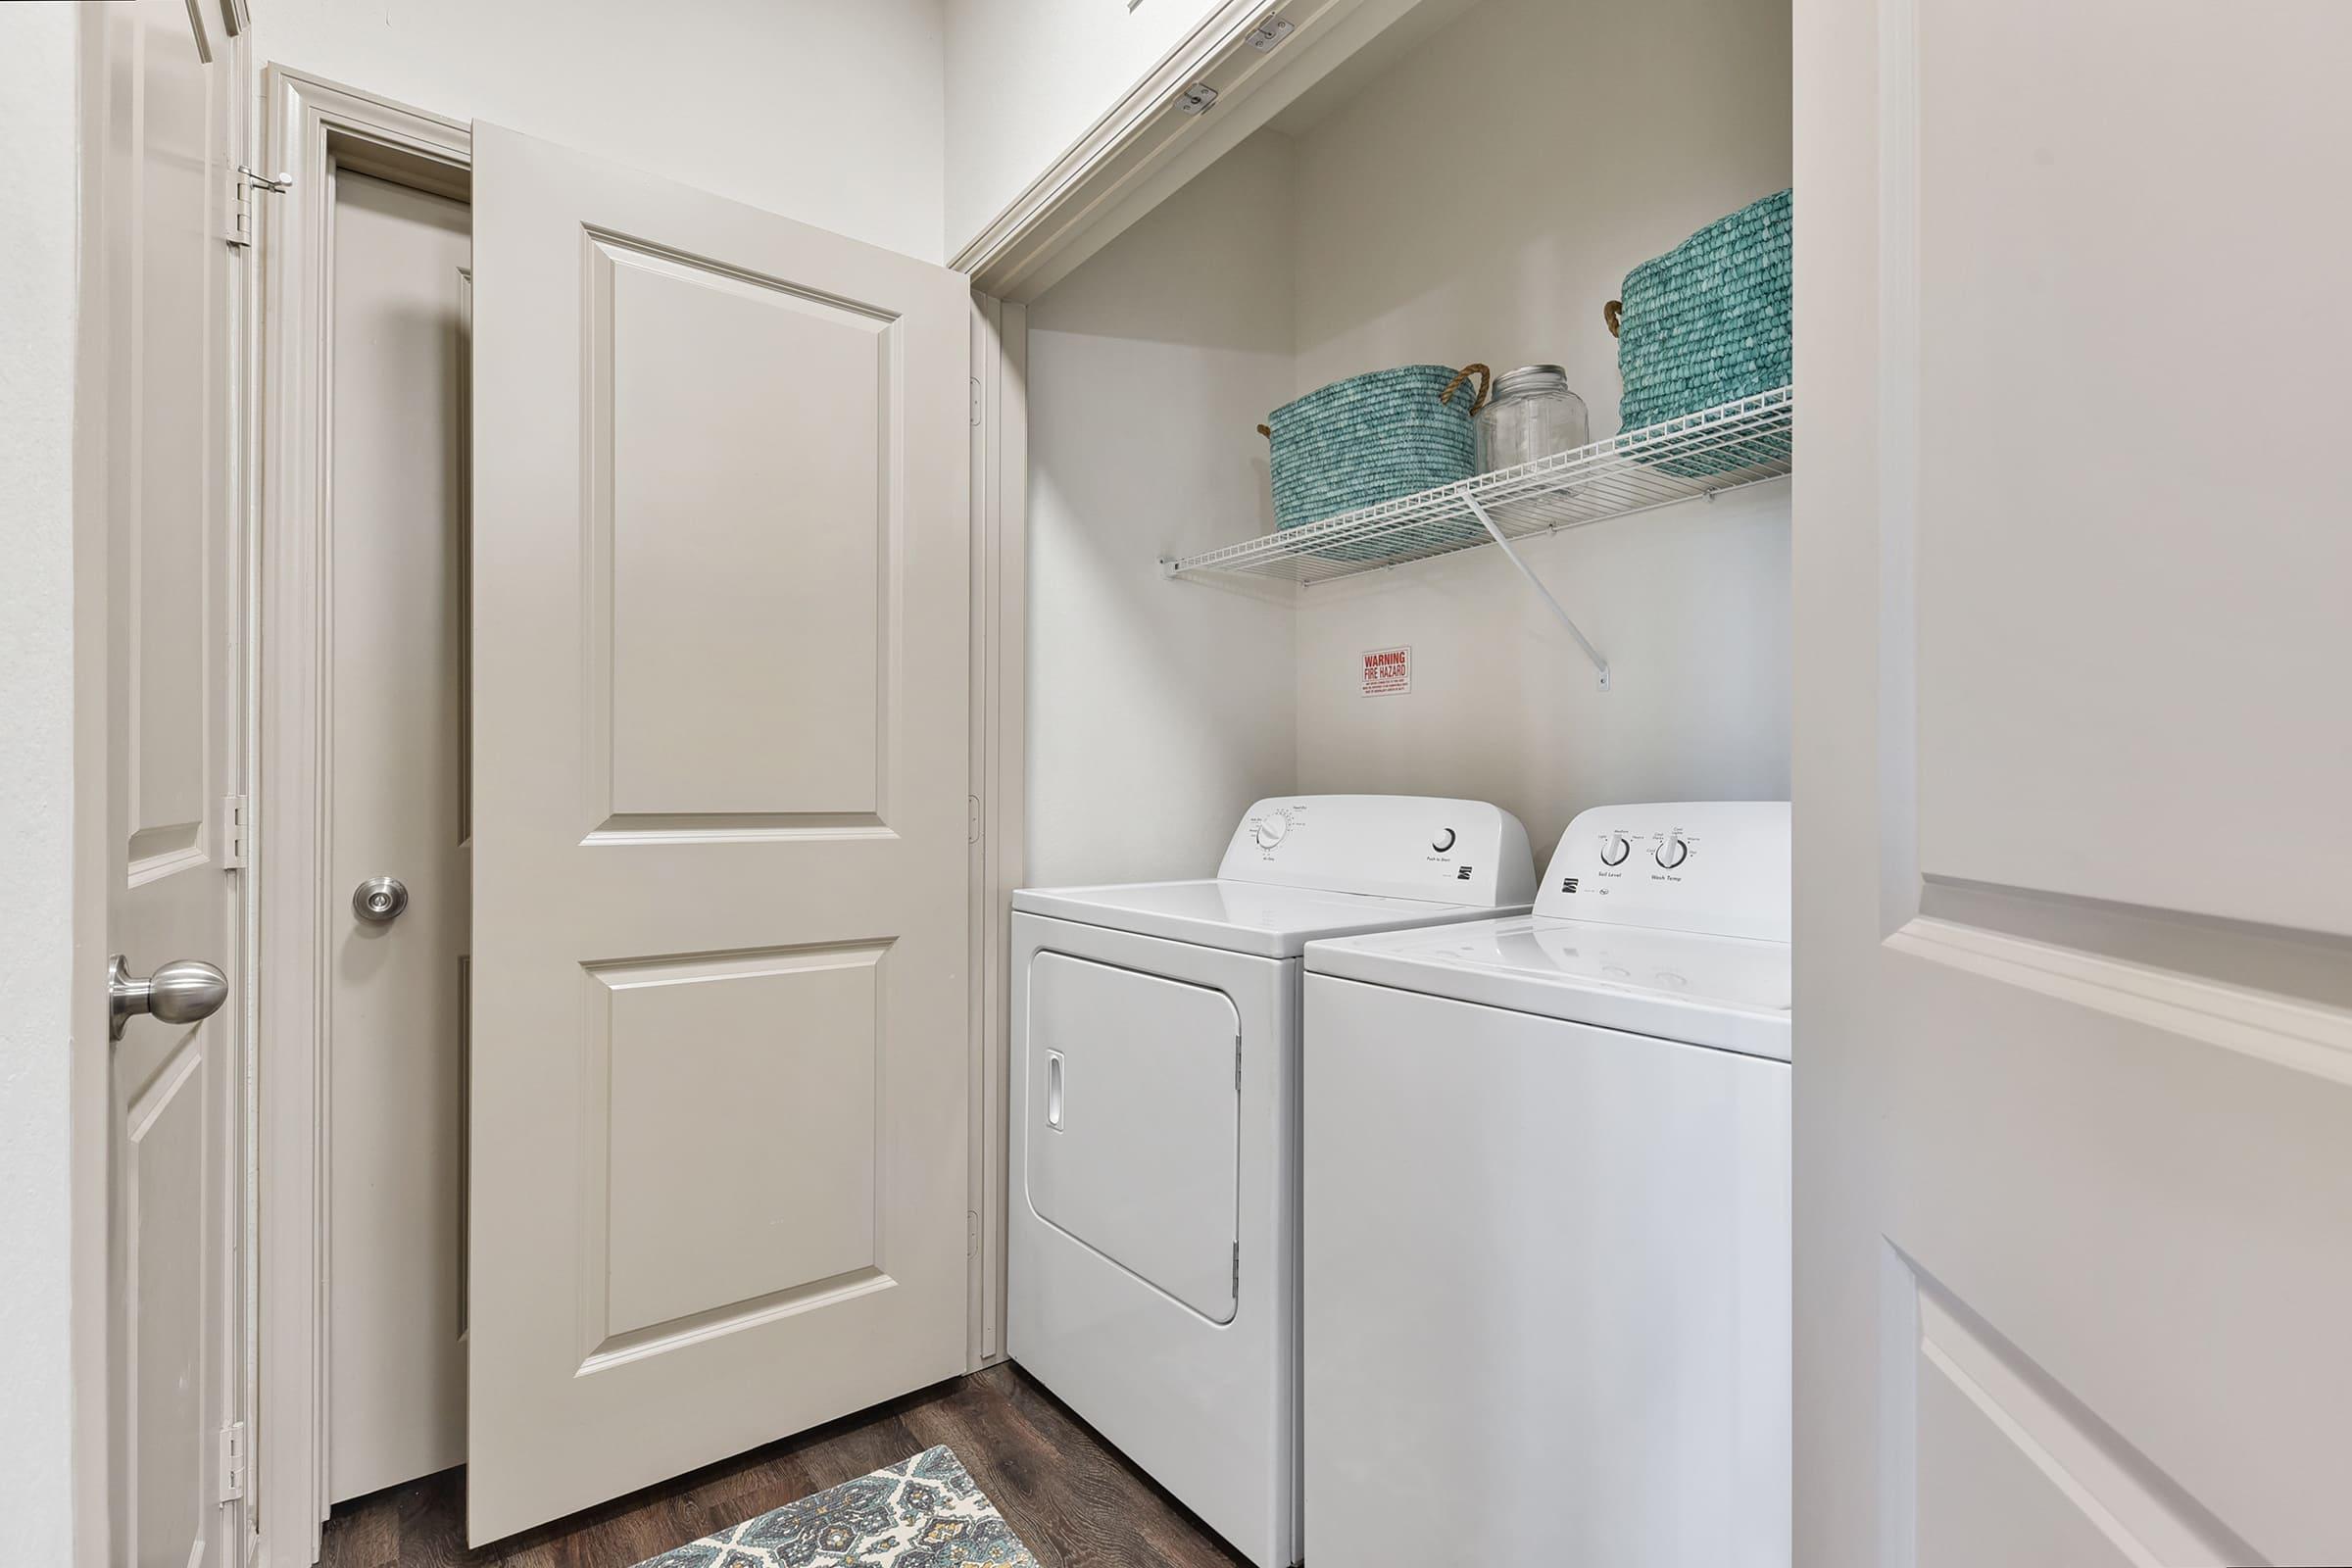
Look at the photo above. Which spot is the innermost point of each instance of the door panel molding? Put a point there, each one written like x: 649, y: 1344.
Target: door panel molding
x: 672, y: 676
x: 2271, y: 1029
x: 2301, y: 966
x: 676, y: 1334
x: 314, y: 128
x: 650, y: 1026
x: 164, y: 1236
x: 159, y: 852
x: 2142, y: 1512
x: 624, y: 829
x: 2088, y: 667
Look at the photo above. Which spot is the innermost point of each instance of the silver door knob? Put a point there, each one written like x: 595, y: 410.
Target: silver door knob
x: 185, y: 992
x: 380, y: 899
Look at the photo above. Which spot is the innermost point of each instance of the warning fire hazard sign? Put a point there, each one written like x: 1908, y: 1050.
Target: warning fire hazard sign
x: 1388, y: 672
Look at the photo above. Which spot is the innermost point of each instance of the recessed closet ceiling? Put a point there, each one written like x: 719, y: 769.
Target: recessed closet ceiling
x: 1348, y: 80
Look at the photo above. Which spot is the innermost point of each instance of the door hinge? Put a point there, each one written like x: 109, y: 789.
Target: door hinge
x: 1269, y: 34
x: 971, y: 1233
x: 971, y: 824
x: 1237, y: 1269
x: 234, y: 831
x: 975, y: 403
x: 233, y: 1462
x: 1236, y: 1064
x: 242, y: 185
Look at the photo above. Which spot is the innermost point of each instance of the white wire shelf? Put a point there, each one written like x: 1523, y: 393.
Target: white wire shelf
x: 1716, y: 449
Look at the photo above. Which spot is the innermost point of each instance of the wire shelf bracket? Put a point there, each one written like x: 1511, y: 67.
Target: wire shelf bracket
x: 1536, y: 583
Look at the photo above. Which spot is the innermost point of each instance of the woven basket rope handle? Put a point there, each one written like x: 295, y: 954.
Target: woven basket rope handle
x: 1486, y: 384
x: 1613, y: 313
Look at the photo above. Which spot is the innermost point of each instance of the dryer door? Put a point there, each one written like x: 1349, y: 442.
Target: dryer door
x: 1135, y: 1122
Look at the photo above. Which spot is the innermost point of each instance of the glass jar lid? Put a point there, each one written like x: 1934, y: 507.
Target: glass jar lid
x: 1530, y: 380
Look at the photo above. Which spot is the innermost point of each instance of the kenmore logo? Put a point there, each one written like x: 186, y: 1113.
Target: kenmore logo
x: 1463, y: 876
x: 1567, y: 884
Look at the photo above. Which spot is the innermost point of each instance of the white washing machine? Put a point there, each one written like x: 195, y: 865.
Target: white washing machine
x: 1547, y: 1214
x: 1153, y: 1224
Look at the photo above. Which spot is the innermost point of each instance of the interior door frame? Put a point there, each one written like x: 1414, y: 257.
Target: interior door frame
x: 1000, y: 770
x: 316, y: 127
x: 313, y: 129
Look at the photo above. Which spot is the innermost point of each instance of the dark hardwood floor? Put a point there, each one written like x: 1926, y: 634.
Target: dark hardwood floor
x: 1073, y: 1498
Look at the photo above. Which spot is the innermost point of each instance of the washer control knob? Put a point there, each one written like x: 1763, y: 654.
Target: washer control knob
x: 1271, y: 829
x: 1672, y: 851
x: 1444, y: 841
x: 1614, y: 850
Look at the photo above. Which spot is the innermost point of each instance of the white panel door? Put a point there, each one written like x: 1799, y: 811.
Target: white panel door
x: 721, y: 1064
x: 162, y: 433
x: 2074, y: 862
x: 396, y: 1000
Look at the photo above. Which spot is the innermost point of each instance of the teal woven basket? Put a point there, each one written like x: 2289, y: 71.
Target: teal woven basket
x: 1373, y: 438
x: 1707, y: 324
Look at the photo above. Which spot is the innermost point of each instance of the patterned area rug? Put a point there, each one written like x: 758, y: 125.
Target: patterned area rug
x: 922, y: 1512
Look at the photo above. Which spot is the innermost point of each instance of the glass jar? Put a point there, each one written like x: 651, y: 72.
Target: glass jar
x: 1532, y: 414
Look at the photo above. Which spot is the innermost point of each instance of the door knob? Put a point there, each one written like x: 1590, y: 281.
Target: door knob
x: 380, y: 899
x: 185, y: 992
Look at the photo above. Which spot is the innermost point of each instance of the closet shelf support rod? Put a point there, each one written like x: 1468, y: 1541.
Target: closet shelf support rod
x: 1536, y: 583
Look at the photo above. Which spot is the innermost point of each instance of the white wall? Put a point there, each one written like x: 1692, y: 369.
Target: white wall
x: 1157, y: 710
x: 1585, y: 136
x: 37, y: 191
x: 1691, y: 608
x: 1025, y: 79
x: 829, y: 113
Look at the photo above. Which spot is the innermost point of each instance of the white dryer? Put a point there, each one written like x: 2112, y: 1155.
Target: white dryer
x: 1155, y: 1217
x: 1547, y: 1214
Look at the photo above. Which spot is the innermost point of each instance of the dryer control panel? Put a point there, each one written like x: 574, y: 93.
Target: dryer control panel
x: 1388, y: 846
x: 1719, y: 867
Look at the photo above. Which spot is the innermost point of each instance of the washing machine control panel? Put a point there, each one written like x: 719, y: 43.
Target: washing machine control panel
x: 1391, y: 846
x: 1714, y: 866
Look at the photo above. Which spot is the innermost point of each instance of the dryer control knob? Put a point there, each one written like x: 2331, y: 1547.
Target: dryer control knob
x: 1444, y: 841
x: 1271, y: 829
x: 1614, y: 850
x: 1672, y: 851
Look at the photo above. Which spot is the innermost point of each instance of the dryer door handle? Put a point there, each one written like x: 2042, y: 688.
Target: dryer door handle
x: 1053, y: 1089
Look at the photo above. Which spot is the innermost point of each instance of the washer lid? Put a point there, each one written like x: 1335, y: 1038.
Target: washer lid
x: 1257, y: 917
x: 1730, y: 993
